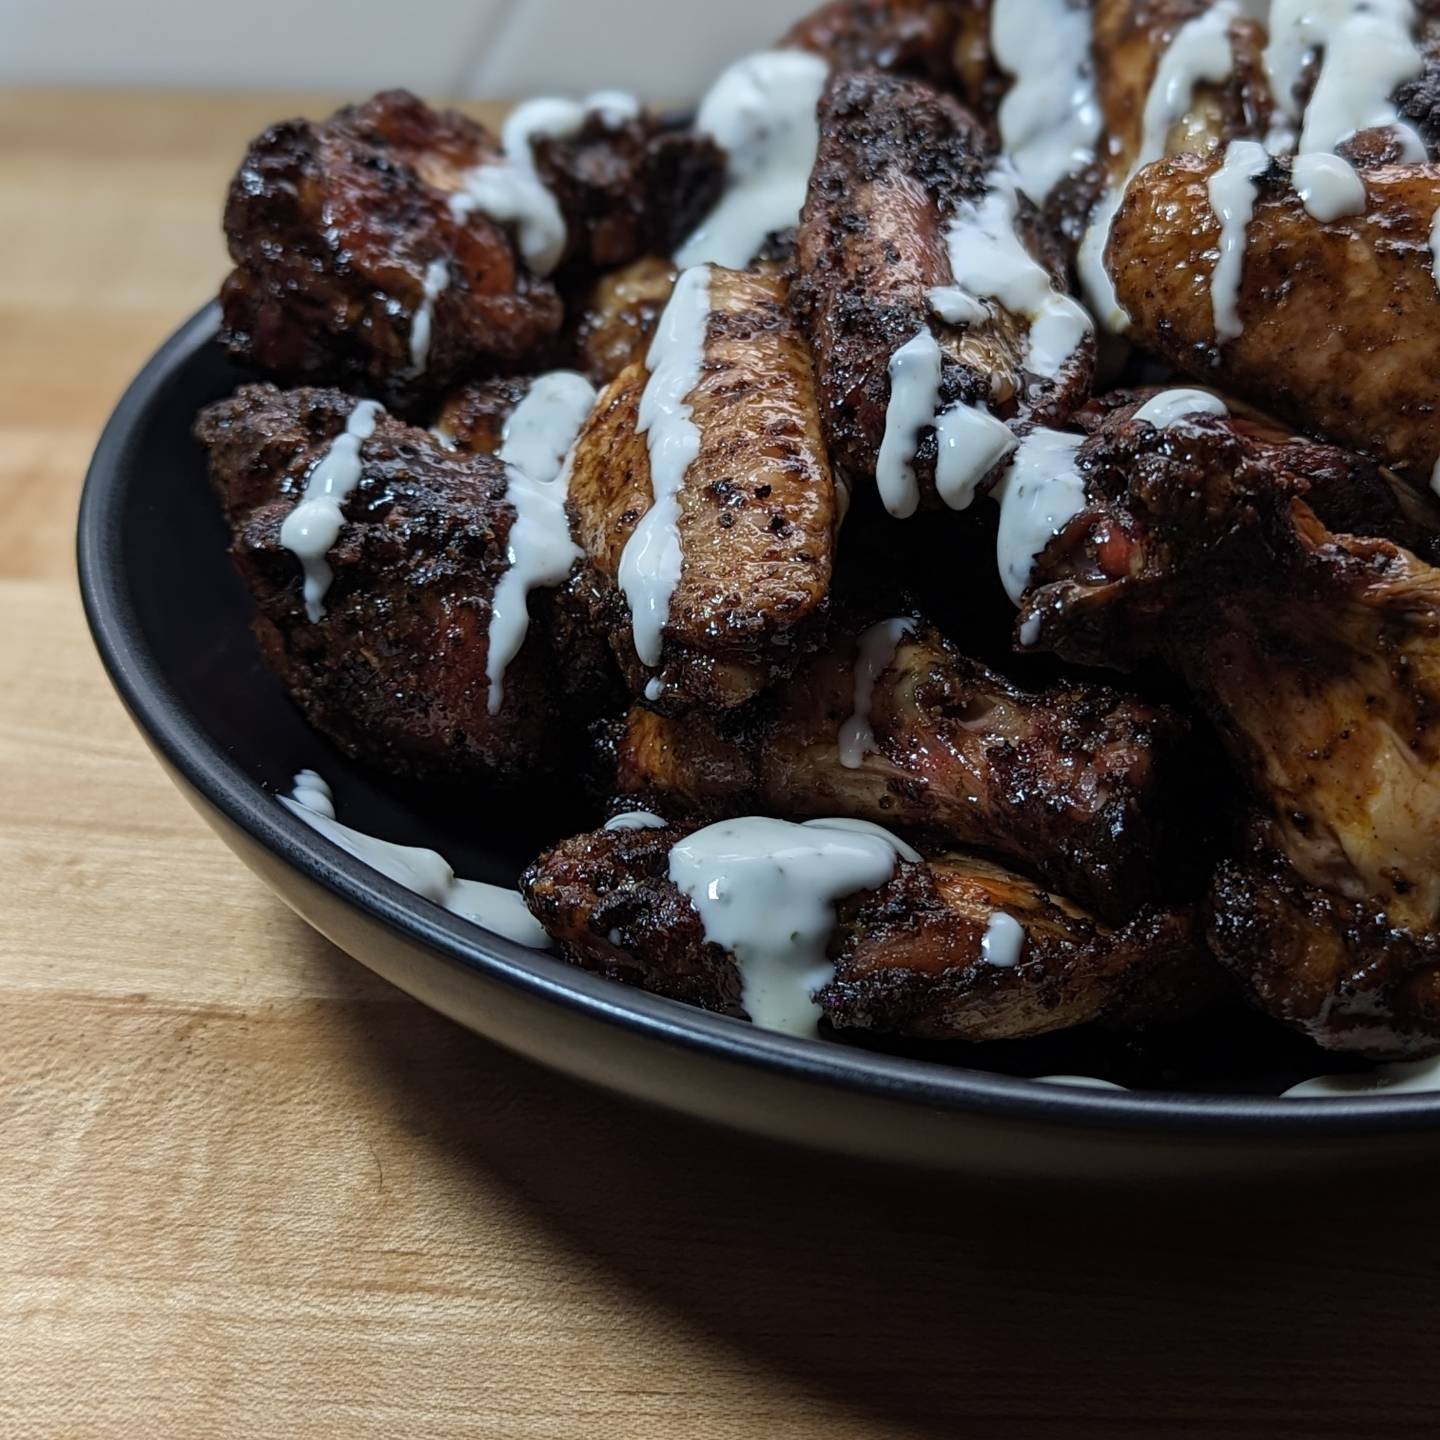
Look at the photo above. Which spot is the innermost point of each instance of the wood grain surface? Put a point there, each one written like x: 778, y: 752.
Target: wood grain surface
x: 248, y: 1190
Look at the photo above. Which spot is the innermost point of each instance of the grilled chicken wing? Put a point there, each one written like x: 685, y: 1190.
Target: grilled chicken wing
x: 394, y: 672
x: 898, y: 164
x: 956, y: 948
x: 352, y: 266
x: 1341, y: 320
x: 1317, y: 656
x: 1067, y: 782
x: 755, y: 515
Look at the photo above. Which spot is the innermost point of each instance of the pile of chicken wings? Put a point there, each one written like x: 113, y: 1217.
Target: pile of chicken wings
x: 1199, y: 763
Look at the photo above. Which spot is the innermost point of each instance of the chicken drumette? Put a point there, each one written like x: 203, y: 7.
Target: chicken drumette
x: 359, y: 260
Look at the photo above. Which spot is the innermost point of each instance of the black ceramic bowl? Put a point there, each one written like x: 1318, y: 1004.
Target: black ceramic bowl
x: 172, y: 625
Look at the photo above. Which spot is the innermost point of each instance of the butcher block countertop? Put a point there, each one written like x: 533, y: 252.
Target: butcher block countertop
x: 246, y: 1189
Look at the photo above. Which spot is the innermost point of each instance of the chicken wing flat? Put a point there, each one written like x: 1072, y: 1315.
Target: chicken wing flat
x: 909, y: 37
x: 756, y: 514
x: 898, y: 165
x: 394, y: 671
x: 1316, y: 654
x: 1067, y: 782
x: 353, y: 266
x: 1341, y: 320
x: 923, y: 956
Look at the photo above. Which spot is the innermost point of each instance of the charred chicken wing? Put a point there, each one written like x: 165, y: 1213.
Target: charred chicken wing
x: 720, y: 581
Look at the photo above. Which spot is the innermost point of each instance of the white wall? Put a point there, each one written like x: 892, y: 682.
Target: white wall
x: 661, y: 49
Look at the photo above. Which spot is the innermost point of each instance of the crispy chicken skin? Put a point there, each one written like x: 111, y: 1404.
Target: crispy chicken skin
x: 1342, y: 320
x: 1066, y: 782
x: 1130, y: 39
x: 908, y: 957
x: 333, y: 224
x: 1337, y: 970
x: 394, y: 672
x: 619, y: 314
x: 910, y: 960
x: 896, y: 159
x: 910, y: 37
x: 1316, y: 654
x: 757, y: 515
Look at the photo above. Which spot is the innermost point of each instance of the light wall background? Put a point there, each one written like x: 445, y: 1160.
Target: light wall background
x: 506, y: 49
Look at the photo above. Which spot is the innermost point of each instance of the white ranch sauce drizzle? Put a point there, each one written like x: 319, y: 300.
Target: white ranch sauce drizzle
x: 1041, y: 492
x: 1050, y: 117
x: 509, y: 190
x: 1199, y: 53
x: 1329, y: 187
x: 914, y: 395
x: 437, y: 277
x: 765, y: 890
x: 761, y: 112
x: 536, y: 440
x: 989, y: 262
x: 1405, y: 1077
x: 874, y: 653
x: 1002, y: 942
x: 314, y: 525
x: 636, y: 820
x: 1171, y: 406
x: 650, y: 563
x: 1367, y: 49
x: 970, y: 443
x: 1435, y: 246
x: 425, y: 872
x: 1232, y: 197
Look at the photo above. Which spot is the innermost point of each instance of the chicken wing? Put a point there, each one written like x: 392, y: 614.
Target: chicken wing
x: 1316, y: 654
x: 952, y: 949
x: 395, y: 669
x: 900, y: 166
x: 354, y: 266
x: 1341, y: 320
x: 1068, y: 782
x: 755, y: 515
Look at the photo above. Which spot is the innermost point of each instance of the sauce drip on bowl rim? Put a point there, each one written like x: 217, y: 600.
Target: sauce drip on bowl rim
x: 426, y: 872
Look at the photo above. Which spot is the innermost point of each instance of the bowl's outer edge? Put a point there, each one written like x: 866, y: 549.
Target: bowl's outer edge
x: 655, y: 1050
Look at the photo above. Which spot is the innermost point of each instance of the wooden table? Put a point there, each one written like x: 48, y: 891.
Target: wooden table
x: 246, y: 1189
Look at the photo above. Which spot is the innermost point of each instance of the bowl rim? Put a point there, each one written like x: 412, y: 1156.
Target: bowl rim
x: 157, y: 710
